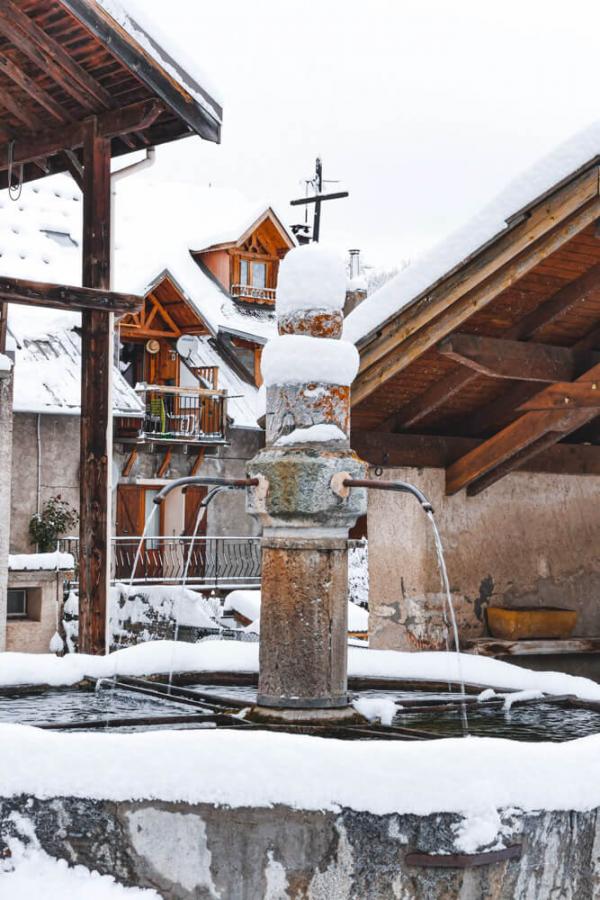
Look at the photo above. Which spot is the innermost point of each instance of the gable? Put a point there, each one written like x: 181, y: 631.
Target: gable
x: 165, y: 314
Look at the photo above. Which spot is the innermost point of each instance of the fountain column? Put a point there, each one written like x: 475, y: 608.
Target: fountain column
x: 300, y: 500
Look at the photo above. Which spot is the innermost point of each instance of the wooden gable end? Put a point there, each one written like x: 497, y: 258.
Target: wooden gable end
x: 165, y: 314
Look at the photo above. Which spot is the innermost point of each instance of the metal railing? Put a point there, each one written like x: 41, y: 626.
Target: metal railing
x: 215, y: 562
x: 177, y: 415
x: 249, y: 292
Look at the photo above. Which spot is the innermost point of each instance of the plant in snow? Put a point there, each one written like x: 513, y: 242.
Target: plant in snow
x: 56, y: 518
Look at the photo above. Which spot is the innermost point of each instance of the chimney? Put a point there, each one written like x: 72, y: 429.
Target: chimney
x: 356, y: 287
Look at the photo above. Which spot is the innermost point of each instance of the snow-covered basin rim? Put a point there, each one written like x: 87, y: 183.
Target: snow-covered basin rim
x: 468, y: 776
x: 162, y: 657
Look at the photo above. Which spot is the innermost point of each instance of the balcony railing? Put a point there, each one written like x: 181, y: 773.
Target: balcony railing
x: 249, y: 292
x: 177, y: 415
x: 214, y: 562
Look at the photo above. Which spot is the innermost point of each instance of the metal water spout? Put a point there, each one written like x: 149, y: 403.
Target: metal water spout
x: 301, y: 501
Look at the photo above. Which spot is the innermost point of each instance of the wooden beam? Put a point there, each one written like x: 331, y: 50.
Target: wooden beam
x: 41, y: 97
x: 74, y: 167
x: 581, y: 395
x: 527, y: 328
x: 51, y: 57
x: 164, y: 466
x: 437, y: 452
x: 514, y: 439
x: 3, y: 325
x: 431, y: 322
x: 516, y: 360
x: 198, y: 461
x: 131, y: 459
x: 114, y: 123
x: 97, y: 343
x: 60, y: 296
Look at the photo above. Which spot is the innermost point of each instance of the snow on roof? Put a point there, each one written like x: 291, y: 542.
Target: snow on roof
x: 242, y: 396
x: 48, y: 378
x: 157, y: 224
x: 159, y: 44
x: 548, y: 173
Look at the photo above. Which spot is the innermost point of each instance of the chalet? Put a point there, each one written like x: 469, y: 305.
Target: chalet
x: 479, y: 383
x: 185, y: 389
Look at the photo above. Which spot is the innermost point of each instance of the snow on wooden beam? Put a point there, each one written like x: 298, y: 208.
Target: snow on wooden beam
x: 60, y: 296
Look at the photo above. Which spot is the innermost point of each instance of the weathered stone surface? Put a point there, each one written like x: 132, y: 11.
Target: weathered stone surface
x: 291, y: 406
x: 188, y: 852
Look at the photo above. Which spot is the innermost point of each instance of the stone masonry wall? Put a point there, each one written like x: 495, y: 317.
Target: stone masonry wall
x: 530, y: 539
x: 188, y: 852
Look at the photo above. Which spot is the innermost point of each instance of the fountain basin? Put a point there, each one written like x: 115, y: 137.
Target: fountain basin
x: 530, y: 622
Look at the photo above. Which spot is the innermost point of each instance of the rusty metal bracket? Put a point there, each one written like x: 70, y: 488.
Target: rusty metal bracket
x: 463, y: 860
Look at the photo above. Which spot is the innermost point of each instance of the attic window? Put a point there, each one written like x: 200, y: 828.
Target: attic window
x: 62, y: 238
x: 253, y: 281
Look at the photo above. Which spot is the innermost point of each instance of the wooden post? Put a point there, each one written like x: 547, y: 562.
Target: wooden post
x: 96, y: 404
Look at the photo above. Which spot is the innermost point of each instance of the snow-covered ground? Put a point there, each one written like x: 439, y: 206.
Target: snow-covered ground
x: 161, y: 657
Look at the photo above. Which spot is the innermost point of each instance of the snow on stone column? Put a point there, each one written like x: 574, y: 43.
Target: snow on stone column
x: 301, y: 503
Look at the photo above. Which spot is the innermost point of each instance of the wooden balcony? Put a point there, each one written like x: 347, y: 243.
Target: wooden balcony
x: 176, y: 416
x: 252, y: 294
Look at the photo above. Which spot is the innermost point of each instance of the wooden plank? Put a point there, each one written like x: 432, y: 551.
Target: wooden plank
x: 74, y: 167
x: 60, y: 296
x: 114, y: 123
x: 198, y: 461
x: 581, y: 395
x: 42, y: 97
x: 51, y: 57
x: 516, y: 360
x: 164, y: 466
x: 513, y: 439
x: 485, y: 263
x: 489, y: 646
x: 437, y: 451
x: 428, y: 326
x: 527, y: 328
x: 97, y: 344
x: 131, y: 459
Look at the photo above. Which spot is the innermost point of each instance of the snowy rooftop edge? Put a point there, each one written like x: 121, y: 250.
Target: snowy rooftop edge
x: 545, y: 176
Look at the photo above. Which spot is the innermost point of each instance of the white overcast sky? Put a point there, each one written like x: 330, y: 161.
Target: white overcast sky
x: 423, y: 108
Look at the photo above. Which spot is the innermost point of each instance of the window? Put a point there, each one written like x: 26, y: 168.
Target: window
x: 244, y: 266
x: 16, y: 607
x: 259, y: 274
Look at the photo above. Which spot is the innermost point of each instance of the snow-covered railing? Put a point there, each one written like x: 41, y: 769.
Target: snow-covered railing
x: 177, y: 415
x: 219, y: 562
x: 249, y: 292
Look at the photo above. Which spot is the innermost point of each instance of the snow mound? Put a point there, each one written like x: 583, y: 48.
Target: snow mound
x: 311, y: 277
x: 376, y: 710
x: 37, y: 562
x: 324, y: 431
x: 300, y: 359
x: 246, y: 603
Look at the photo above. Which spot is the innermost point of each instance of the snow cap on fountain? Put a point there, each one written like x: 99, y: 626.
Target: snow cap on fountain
x: 311, y: 277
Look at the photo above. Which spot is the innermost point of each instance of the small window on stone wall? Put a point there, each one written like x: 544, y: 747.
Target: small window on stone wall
x: 16, y: 606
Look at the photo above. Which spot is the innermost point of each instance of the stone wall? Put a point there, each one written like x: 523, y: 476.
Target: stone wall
x: 59, y: 472
x: 44, y: 606
x: 530, y: 539
x: 188, y: 852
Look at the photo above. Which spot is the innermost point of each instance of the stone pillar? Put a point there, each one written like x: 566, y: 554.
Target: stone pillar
x: 300, y: 501
x: 6, y: 390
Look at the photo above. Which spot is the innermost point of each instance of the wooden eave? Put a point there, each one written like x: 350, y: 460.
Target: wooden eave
x: 269, y: 214
x: 503, y: 352
x: 166, y: 302
x: 63, y: 62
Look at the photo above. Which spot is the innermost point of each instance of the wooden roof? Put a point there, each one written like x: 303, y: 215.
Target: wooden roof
x: 499, y: 361
x: 63, y: 61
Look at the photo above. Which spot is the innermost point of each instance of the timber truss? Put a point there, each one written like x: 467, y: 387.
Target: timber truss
x: 497, y: 366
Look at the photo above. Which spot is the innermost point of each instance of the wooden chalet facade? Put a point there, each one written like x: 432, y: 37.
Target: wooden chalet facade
x: 483, y: 390
x: 77, y: 88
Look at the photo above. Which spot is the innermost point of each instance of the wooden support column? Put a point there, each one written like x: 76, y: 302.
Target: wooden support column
x: 96, y: 404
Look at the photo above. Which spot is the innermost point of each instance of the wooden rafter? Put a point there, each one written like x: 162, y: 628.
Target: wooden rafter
x: 527, y: 328
x: 439, y: 451
x: 131, y: 459
x: 60, y: 296
x: 114, y: 123
x: 143, y: 325
x: 164, y: 466
x: 42, y: 97
x: 578, y: 395
x: 445, y: 307
x: 42, y: 49
x: 507, y: 446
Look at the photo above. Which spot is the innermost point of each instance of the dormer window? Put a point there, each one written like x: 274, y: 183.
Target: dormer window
x: 254, y: 281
